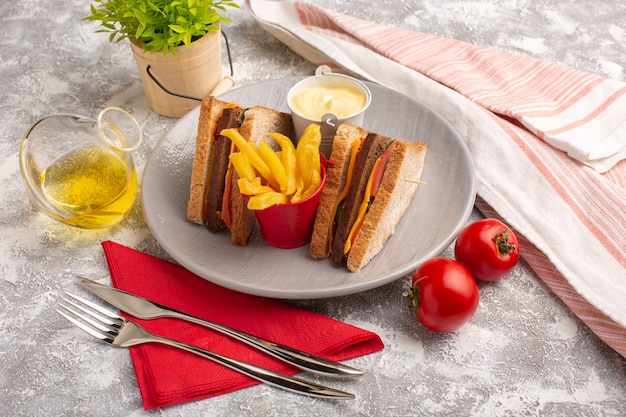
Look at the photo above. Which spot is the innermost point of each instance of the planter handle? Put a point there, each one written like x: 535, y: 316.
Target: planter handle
x: 162, y: 87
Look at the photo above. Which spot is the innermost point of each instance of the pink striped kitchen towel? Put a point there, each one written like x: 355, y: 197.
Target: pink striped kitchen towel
x: 548, y: 142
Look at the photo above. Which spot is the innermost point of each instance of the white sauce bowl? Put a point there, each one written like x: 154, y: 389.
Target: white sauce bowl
x: 328, y: 122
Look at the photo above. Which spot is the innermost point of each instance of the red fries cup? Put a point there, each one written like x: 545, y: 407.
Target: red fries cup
x: 290, y: 225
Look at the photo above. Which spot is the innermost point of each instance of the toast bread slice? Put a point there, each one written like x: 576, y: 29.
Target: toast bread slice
x: 396, y: 191
x: 210, y: 111
x: 336, y: 177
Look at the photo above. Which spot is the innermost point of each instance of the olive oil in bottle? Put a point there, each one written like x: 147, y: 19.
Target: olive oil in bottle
x: 94, y: 185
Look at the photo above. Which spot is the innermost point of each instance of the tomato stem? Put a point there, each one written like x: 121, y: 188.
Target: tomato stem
x: 502, y: 242
x: 412, y: 295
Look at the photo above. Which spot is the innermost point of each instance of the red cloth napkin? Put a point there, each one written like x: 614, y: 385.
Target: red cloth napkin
x: 168, y: 376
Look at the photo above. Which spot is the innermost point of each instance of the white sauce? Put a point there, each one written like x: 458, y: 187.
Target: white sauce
x: 315, y: 102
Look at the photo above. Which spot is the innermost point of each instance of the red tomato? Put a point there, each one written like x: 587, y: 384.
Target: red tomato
x: 488, y: 248
x: 443, y: 295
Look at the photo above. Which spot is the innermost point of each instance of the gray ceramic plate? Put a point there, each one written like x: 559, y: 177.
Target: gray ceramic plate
x: 437, y: 214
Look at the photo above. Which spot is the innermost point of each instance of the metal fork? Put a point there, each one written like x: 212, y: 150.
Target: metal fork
x: 111, y: 328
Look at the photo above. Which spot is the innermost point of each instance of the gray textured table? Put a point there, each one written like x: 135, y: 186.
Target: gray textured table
x: 524, y: 353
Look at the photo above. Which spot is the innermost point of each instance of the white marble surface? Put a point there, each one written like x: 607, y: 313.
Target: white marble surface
x: 524, y: 353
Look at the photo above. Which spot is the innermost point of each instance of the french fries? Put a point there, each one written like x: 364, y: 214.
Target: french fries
x: 268, y: 177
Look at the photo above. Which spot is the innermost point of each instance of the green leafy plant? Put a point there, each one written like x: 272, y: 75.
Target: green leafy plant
x: 161, y: 25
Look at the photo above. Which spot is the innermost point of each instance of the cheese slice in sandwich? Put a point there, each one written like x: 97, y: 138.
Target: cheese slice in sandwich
x: 372, y: 147
x: 376, y: 179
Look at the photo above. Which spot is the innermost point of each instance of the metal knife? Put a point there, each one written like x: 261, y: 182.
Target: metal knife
x: 146, y: 309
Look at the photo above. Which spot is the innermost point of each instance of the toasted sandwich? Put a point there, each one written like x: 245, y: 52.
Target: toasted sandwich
x: 370, y: 182
x: 214, y: 197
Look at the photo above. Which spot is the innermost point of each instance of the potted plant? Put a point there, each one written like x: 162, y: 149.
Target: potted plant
x: 176, y: 42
